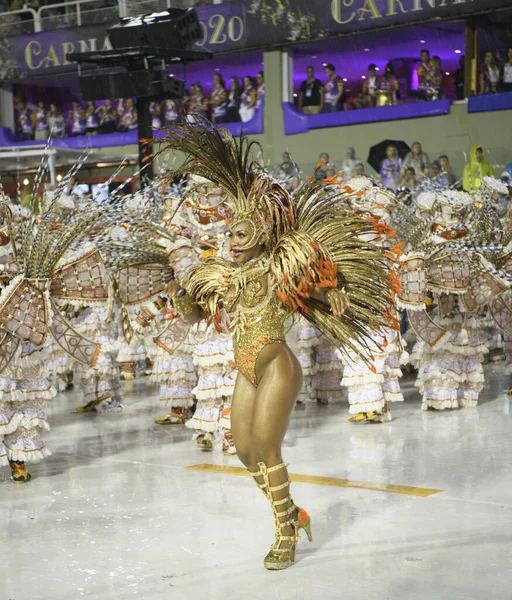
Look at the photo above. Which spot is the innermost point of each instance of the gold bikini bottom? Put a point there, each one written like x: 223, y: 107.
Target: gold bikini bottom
x: 247, y: 354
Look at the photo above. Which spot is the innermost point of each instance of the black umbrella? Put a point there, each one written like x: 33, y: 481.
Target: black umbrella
x: 378, y: 152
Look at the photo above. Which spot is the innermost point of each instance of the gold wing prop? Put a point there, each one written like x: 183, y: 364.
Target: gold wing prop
x: 173, y: 336
x: 425, y: 328
x: 77, y: 346
x: 24, y: 309
x: 501, y: 312
x: 82, y: 280
x: 8, y: 346
x: 141, y: 282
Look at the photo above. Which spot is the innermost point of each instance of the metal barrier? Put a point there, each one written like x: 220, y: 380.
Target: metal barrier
x: 13, y: 22
x: 76, y: 13
x: 133, y: 8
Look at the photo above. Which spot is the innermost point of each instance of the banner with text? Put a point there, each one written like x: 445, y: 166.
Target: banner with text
x: 237, y: 26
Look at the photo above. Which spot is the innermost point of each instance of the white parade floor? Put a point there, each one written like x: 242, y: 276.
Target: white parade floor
x: 114, y: 514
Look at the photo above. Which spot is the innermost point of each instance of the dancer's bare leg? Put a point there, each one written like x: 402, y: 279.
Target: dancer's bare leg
x: 260, y: 418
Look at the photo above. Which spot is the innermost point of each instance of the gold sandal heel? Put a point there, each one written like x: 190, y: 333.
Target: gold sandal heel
x: 304, y: 522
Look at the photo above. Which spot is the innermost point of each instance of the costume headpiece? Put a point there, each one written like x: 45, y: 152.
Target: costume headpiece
x: 254, y: 196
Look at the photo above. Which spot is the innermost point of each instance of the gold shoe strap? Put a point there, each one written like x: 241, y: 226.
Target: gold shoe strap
x: 277, y: 488
x: 286, y: 512
x: 286, y: 538
x: 276, y: 467
x: 289, y: 523
x: 281, y: 502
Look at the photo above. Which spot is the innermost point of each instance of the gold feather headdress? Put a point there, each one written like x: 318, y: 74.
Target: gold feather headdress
x: 254, y: 196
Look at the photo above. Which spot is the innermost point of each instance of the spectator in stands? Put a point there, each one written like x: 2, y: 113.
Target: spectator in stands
x: 287, y: 173
x: 248, y: 100
x: 129, y: 118
x: 506, y: 72
x: 219, y: 100
x: 120, y: 107
x: 235, y: 94
x: 312, y: 94
x: 460, y: 79
x: 41, y: 122
x: 409, y: 179
x: 348, y: 166
x: 288, y: 168
x: 56, y: 121
x: 108, y: 117
x: 476, y: 170
x: 416, y: 158
x: 388, y: 88
x: 489, y: 74
x: 446, y: 170
x: 368, y: 96
x: 25, y: 122
x: 91, y: 119
x: 424, y: 72
x: 171, y: 111
x: 335, y: 97
x: 436, y: 79
x: 197, y: 102
x: 390, y: 168
x: 330, y: 171
x: 433, y: 179
x: 260, y: 89
x: 321, y: 167
x: 359, y: 170
x: 77, y: 117
x: 155, y: 108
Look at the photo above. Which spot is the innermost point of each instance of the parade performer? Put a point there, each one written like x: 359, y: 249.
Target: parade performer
x: 372, y: 390
x: 100, y: 385
x: 448, y: 275
x: 139, y: 260
x: 213, y: 352
x: 23, y: 388
x: 289, y: 255
x: 46, y: 276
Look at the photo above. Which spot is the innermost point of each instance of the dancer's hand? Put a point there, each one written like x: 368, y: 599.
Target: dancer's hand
x: 338, y: 300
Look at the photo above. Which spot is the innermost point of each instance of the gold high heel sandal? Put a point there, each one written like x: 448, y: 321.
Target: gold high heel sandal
x: 280, y: 557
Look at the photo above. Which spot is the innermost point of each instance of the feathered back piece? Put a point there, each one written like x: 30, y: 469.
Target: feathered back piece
x: 329, y: 248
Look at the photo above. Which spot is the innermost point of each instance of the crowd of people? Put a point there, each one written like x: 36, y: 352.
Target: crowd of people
x: 316, y: 96
x: 495, y: 74
x: 239, y: 102
x: 332, y: 95
x: 415, y: 171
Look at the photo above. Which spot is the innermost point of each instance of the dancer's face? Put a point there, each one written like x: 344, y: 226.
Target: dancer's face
x: 244, y: 246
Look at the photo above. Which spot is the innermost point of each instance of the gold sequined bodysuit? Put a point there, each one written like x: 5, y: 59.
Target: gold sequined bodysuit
x: 256, y: 321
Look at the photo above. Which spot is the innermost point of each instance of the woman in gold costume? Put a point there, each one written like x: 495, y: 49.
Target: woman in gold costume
x: 289, y: 255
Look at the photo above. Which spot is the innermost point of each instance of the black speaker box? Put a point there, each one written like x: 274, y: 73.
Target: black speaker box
x: 176, y: 29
